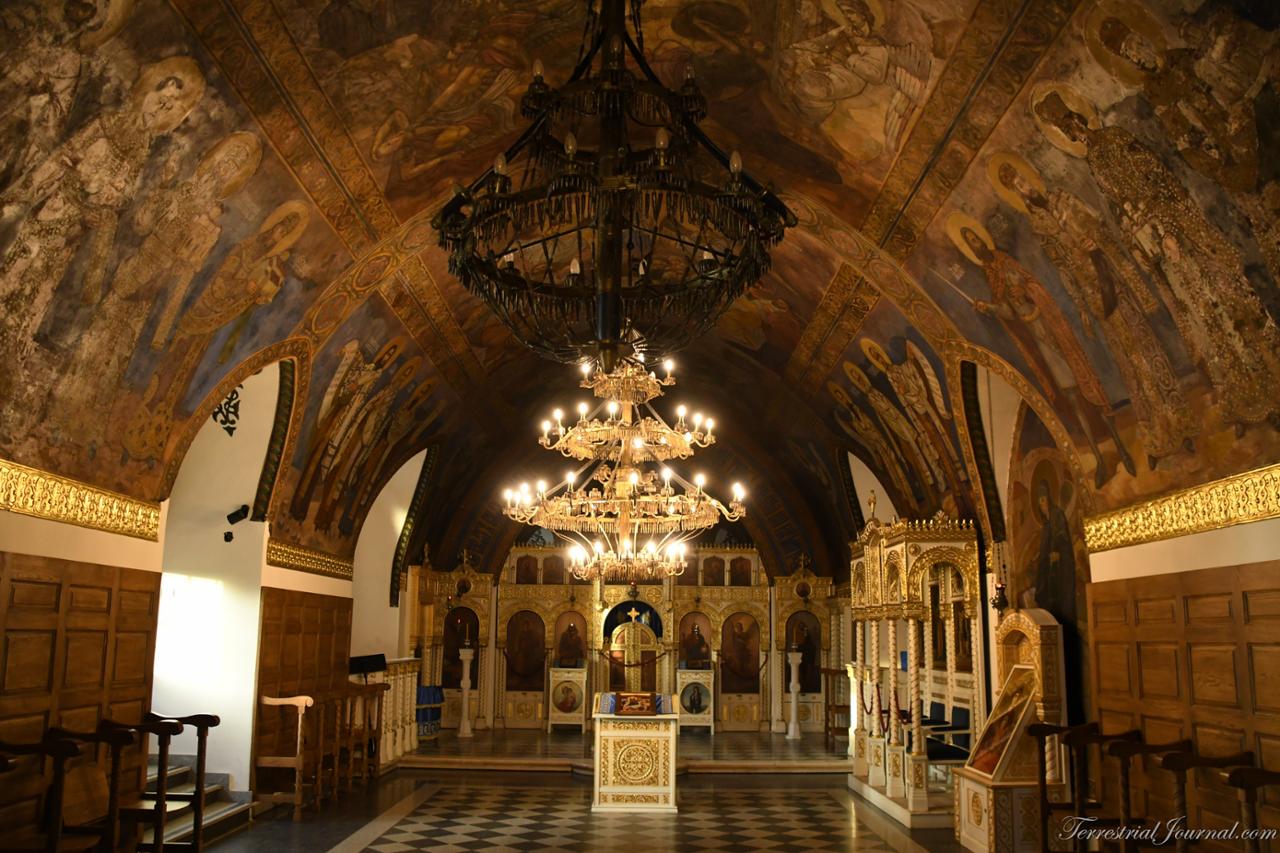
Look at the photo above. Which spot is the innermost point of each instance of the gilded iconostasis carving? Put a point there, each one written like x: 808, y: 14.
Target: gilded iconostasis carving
x: 1082, y: 196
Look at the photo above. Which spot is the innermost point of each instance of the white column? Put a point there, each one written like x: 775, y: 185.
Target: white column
x: 464, y: 722
x: 793, y: 726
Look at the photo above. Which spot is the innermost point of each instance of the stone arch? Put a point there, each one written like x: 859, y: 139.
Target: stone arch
x: 965, y: 562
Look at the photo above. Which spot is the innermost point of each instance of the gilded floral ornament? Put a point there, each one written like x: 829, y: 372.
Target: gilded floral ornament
x: 37, y: 493
x: 1251, y: 496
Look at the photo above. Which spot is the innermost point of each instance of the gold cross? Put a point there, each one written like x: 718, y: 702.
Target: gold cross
x: 633, y: 614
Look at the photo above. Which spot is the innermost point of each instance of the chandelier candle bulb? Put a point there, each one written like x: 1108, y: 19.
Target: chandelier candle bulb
x: 622, y: 498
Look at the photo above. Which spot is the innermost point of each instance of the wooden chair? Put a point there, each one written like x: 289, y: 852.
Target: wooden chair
x: 1182, y: 763
x: 93, y: 799
x: 201, y: 723
x: 91, y: 796
x: 304, y: 759
x: 1248, y: 780
x: 831, y: 728
x: 1042, y: 732
x: 152, y: 809
x: 1124, y: 751
x: 48, y: 837
x: 371, y: 714
x: 1080, y: 740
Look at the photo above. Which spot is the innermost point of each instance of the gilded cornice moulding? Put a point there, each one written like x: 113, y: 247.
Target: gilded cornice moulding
x: 301, y: 559
x: 37, y: 493
x: 1251, y: 496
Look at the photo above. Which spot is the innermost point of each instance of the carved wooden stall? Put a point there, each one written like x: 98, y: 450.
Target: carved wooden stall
x: 997, y: 791
x: 542, y: 619
x: 893, y: 567
x: 461, y: 611
x: 804, y: 615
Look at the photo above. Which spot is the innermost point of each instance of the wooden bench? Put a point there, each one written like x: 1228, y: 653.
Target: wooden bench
x: 49, y: 836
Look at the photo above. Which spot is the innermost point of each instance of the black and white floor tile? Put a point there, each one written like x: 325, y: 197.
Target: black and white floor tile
x: 508, y: 818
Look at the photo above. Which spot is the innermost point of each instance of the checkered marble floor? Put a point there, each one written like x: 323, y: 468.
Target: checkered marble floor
x: 503, y: 818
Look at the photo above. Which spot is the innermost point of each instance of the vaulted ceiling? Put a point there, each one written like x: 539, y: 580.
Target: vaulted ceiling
x: 1080, y: 196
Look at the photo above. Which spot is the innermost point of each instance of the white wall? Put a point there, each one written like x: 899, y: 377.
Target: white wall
x: 864, y: 481
x: 24, y: 534
x: 292, y: 579
x: 1230, y: 546
x: 375, y: 624
x: 207, y: 639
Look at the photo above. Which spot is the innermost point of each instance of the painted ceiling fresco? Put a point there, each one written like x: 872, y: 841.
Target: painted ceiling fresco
x: 1082, y: 196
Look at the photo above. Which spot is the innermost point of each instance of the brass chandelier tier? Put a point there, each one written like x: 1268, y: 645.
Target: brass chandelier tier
x: 626, y: 514
x: 613, y: 225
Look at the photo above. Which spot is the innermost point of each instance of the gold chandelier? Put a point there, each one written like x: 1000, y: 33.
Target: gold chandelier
x: 625, y: 513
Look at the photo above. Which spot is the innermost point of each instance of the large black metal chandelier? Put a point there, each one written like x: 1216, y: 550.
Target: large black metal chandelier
x: 613, y: 226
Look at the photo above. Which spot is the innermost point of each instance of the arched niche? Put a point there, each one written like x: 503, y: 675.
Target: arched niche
x: 461, y: 626
x: 570, y: 640
x: 527, y: 569
x: 740, y: 571
x: 553, y: 570
x: 695, y: 641
x: 740, y: 654
x: 646, y: 614
x: 713, y: 571
x: 804, y: 635
x: 525, y: 651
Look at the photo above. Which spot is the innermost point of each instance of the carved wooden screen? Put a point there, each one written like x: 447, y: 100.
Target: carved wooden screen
x: 77, y: 646
x: 1195, y: 655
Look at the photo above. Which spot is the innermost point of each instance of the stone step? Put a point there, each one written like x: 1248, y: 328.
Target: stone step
x: 177, y: 775
x: 221, y: 818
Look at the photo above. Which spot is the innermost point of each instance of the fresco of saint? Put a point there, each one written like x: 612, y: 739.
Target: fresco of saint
x: 72, y: 201
x: 181, y: 227
x: 1041, y: 332
x: 1199, y: 269
x: 1107, y: 290
x: 249, y: 277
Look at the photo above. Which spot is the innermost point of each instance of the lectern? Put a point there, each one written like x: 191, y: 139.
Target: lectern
x: 635, y: 753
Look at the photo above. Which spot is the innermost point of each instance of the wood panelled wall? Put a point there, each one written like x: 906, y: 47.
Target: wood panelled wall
x: 304, y: 648
x: 77, y: 642
x: 1192, y: 655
